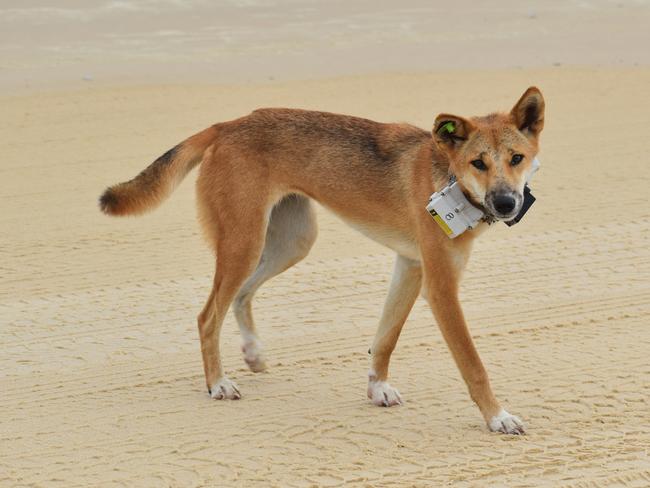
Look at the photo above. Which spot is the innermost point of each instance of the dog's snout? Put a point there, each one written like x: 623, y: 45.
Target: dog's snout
x: 504, y: 203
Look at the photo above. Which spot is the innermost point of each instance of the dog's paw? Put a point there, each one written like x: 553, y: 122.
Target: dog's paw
x: 224, y: 389
x: 254, y: 357
x: 382, y: 394
x: 506, y: 424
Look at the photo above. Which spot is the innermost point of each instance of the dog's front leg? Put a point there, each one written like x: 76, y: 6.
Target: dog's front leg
x: 404, y: 289
x: 441, y: 291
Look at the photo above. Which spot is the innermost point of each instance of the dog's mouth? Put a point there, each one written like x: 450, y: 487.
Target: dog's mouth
x: 498, y: 210
x: 502, y: 217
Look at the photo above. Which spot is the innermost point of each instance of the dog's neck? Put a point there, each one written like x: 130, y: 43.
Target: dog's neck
x: 440, y: 166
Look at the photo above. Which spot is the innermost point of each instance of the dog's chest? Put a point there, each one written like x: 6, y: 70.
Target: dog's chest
x: 398, y: 241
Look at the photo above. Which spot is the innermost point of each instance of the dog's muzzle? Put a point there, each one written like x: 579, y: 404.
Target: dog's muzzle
x: 504, y: 205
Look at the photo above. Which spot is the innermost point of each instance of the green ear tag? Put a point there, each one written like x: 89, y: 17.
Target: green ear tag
x: 448, y: 127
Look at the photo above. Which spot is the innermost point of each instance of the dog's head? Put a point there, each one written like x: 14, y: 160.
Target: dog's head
x: 491, y: 156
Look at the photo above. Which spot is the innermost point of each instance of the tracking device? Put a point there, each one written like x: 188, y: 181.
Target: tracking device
x: 454, y: 213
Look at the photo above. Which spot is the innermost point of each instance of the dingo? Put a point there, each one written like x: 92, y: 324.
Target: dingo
x: 259, y: 173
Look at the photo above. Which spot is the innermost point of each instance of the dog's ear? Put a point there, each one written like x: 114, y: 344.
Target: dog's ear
x: 450, y: 131
x: 528, y: 112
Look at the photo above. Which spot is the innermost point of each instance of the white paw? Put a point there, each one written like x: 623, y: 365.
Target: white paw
x: 254, y: 357
x: 224, y: 389
x: 506, y: 423
x: 382, y: 394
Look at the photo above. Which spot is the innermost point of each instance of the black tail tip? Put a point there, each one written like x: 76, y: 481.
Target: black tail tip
x: 108, y: 202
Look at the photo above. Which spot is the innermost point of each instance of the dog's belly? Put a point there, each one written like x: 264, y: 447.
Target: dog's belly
x: 393, y: 239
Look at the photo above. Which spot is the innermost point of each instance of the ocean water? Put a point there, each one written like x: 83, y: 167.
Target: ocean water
x: 255, y: 40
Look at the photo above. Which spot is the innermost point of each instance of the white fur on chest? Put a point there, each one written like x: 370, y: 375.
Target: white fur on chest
x: 393, y: 239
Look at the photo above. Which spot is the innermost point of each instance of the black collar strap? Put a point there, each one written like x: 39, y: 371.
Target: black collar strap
x: 487, y: 216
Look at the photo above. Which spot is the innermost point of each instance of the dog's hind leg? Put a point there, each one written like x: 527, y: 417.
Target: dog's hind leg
x: 236, y: 258
x: 289, y: 237
x: 238, y: 219
x: 404, y: 289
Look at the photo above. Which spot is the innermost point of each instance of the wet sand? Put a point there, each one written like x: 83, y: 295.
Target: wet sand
x: 70, y: 43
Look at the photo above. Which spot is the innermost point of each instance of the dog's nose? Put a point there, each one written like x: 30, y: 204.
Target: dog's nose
x: 504, y: 204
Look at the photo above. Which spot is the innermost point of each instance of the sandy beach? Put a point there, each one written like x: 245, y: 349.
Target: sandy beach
x: 100, y: 371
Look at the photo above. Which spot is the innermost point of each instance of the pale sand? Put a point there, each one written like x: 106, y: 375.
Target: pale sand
x: 102, y: 382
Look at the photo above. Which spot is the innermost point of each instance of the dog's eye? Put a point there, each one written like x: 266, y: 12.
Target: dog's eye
x: 479, y: 164
x: 516, y: 159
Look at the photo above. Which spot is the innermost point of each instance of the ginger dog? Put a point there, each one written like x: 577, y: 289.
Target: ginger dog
x: 257, y: 178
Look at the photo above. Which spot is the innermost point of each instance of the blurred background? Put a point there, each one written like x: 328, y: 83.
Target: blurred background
x: 43, y: 42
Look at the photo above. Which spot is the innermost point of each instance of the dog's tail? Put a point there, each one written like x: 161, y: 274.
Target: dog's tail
x: 156, y: 182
